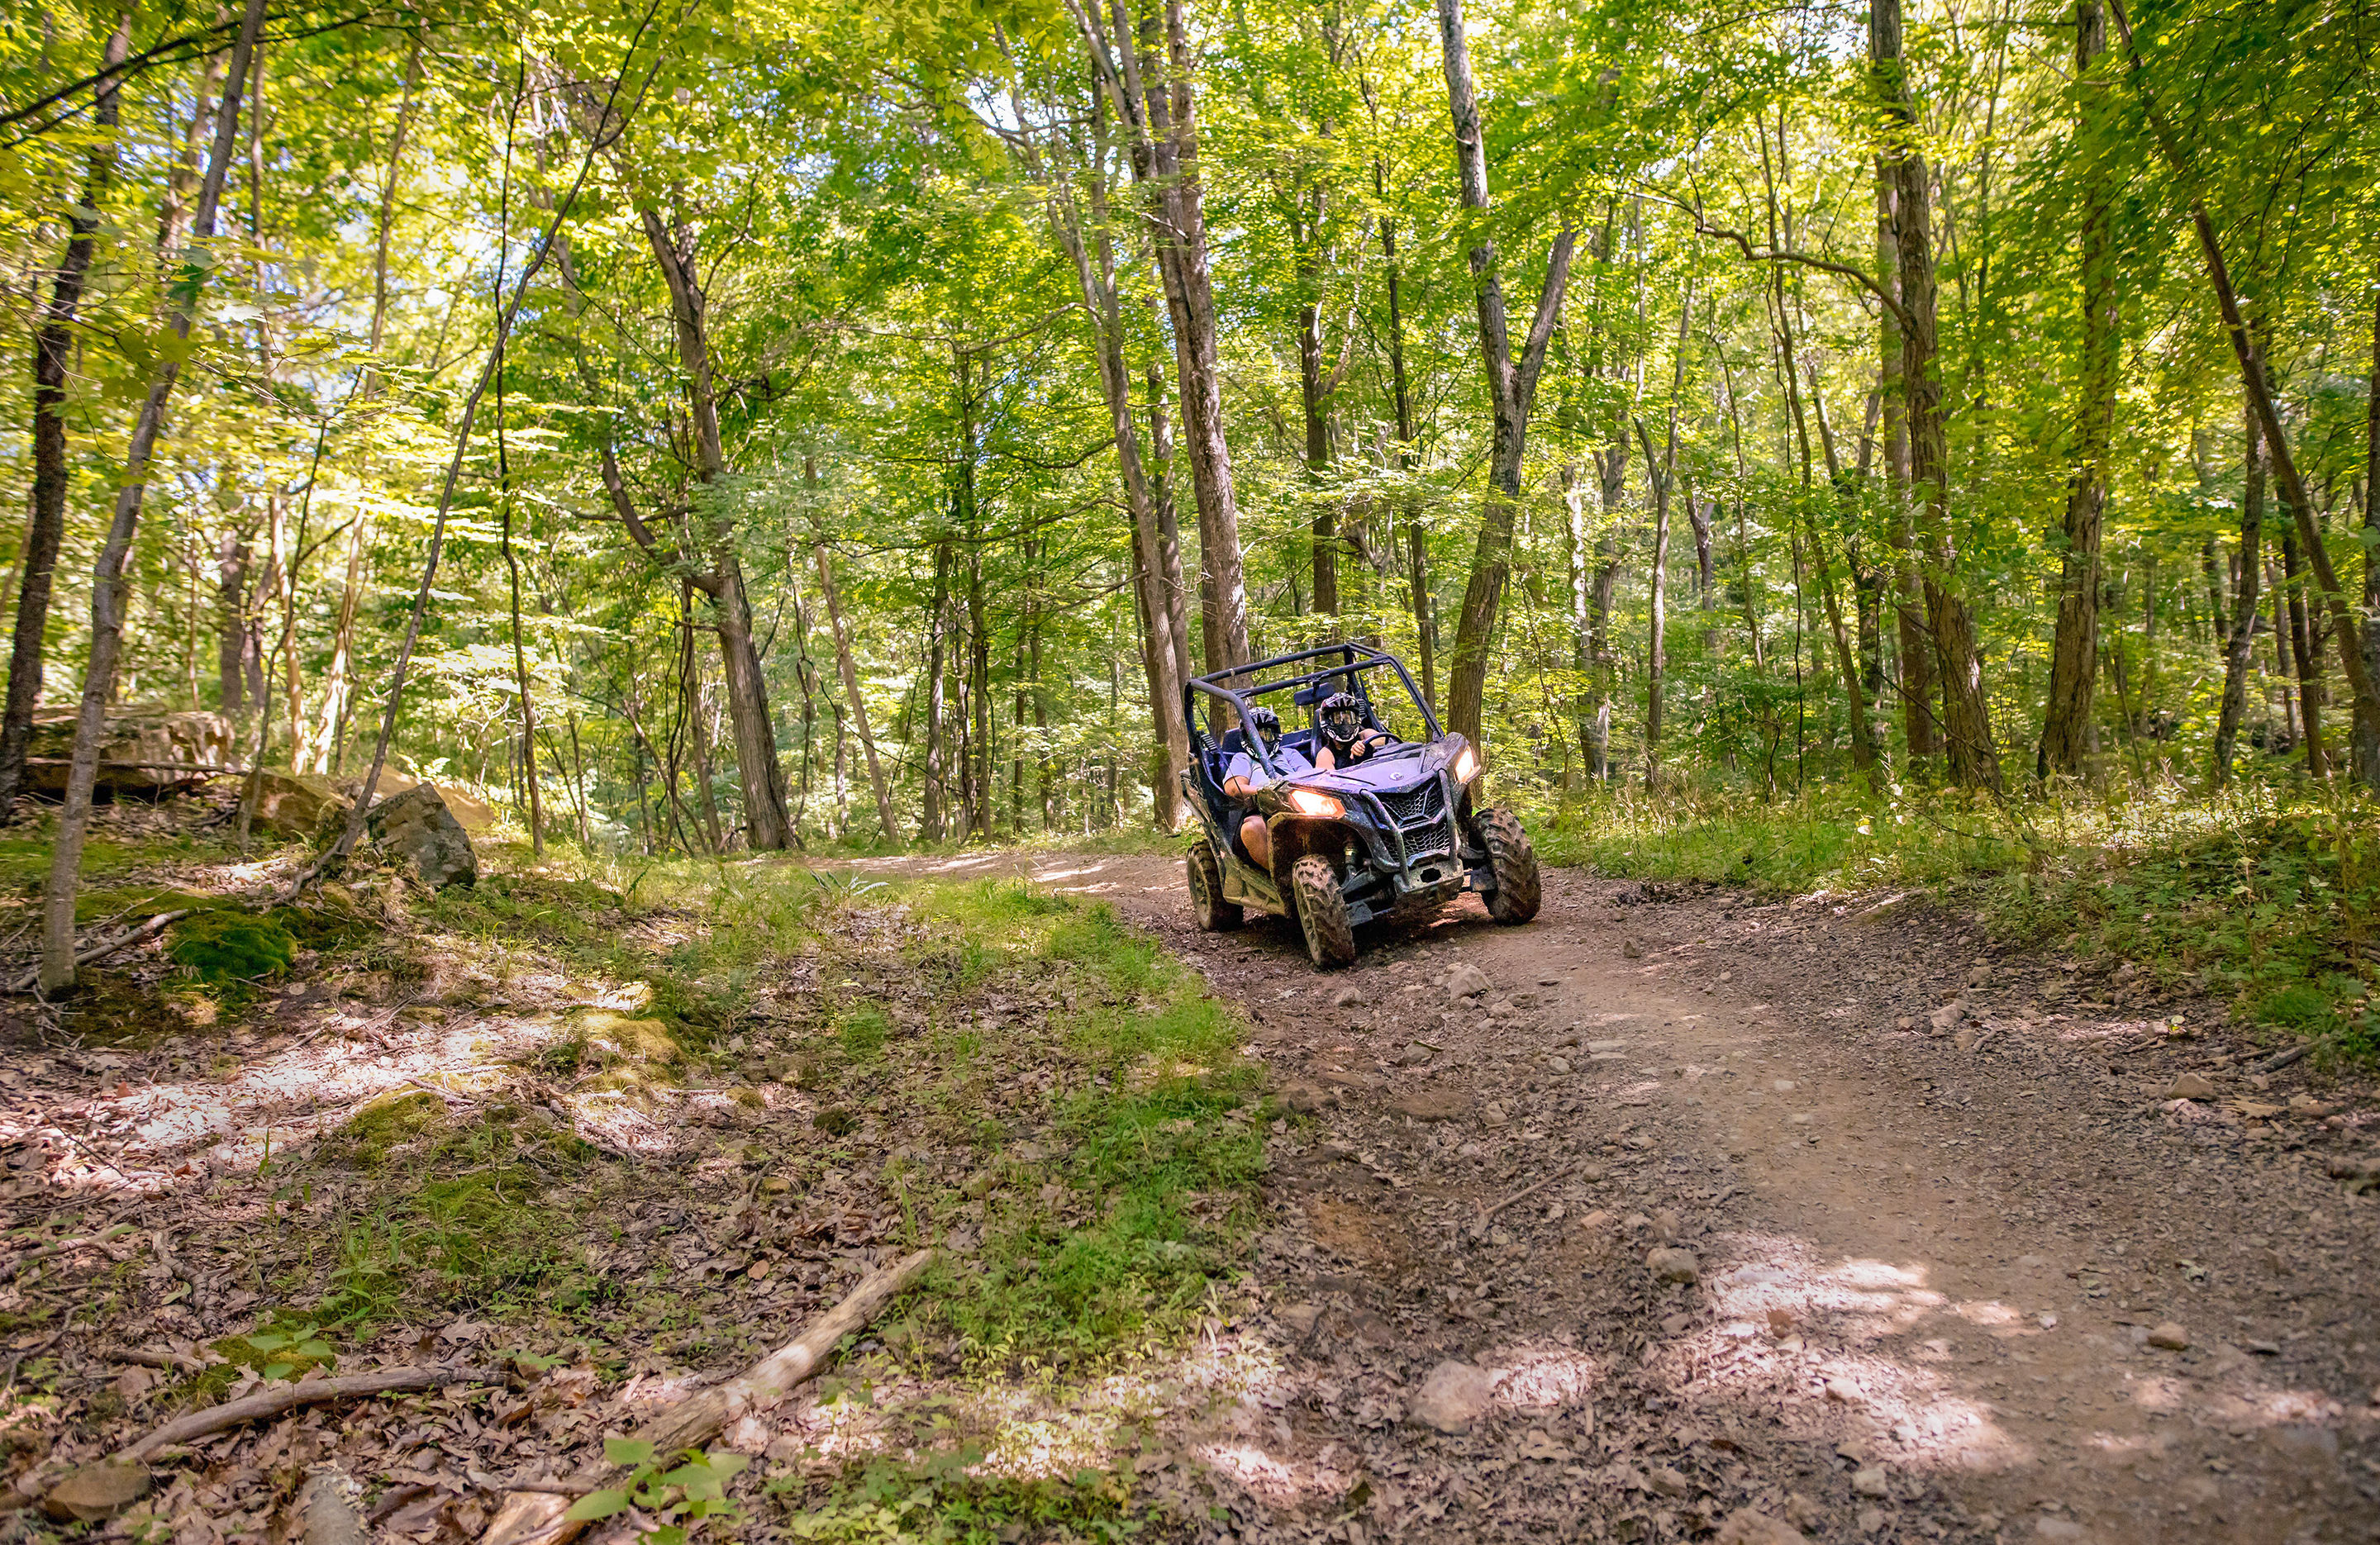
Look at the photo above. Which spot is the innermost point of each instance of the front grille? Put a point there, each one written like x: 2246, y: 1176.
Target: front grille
x: 1415, y: 805
x: 1420, y: 815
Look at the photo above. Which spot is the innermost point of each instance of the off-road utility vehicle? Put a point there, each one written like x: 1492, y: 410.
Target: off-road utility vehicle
x: 1395, y: 831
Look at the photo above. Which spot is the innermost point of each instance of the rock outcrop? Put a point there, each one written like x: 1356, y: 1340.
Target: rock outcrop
x: 417, y: 827
x: 149, y: 750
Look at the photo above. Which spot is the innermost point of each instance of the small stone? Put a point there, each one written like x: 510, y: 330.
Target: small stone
x: 1598, y: 1219
x: 1783, y: 1086
x: 1426, y: 1104
x: 1667, y: 1481
x: 1465, y: 980
x: 1871, y: 1482
x: 1666, y: 1225
x: 1453, y: 1397
x: 1870, y: 1519
x: 1749, y: 1526
x: 95, y: 1492
x: 1306, y: 1099
x: 1557, y: 1065
x: 2169, y: 1337
x: 1802, y: 1513
x: 1948, y: 1017
x: 2059, y: 1528
x: 1673, y: 1265
x: 1301, y: 1318
x: 1347, y: 997
x: 835, y: 1123
x: 2311, y: 1108
x: 1780, y: 1322
x: 1631, y: 950
x: 2191, y: 1086
x: 2256, y: 1110
x: 1843, y: 1393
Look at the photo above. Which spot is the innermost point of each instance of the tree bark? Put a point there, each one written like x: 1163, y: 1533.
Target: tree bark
x: 2365, y: 747
x: 2242, y: 638
x: 850, y: 674
x: 2258, y: 381
x: 1416, y: 539
x: 1147, y: 76
x: 110, y: 582
x: 1970, y: 756
x: 2075, y: 651
x: 2305, y: 656
x: 52, y: 350
x: 1511, y: 385
x: 758, y: 773
x: 1915, y: 647
x: 330, y: 748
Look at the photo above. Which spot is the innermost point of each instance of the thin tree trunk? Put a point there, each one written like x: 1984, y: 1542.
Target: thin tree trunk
x: 2258, y: 381
x: 1416, y: 539
x: 756, y: 769
x: 110, y: 583
x: 850, y: 673
x: 1512, y: 385
x: 52, y: 350
x: 2238, y: 649
x: 1146, y: 72
x: 932, y: 798
x: 2074, y: 650
x: 2366, y: 734
x: 1970, y: 756
x: 1914, y: 650
x: 2305, y: 655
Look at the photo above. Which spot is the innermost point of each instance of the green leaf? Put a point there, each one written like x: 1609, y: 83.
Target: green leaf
x: 631, y: 1452
x: 597, y: 1505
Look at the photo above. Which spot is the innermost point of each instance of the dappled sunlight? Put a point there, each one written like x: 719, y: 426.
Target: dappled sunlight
x: 1542, y: 1377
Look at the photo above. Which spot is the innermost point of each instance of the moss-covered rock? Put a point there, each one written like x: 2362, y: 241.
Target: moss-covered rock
x: 224, y: 946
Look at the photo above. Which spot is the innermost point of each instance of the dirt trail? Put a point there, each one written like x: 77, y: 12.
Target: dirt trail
x: 1942, y: 1214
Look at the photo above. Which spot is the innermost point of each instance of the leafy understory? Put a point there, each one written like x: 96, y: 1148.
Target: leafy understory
x: 610, y: 1137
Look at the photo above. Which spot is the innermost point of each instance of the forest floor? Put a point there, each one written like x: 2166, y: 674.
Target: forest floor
x: 1219, y: 1253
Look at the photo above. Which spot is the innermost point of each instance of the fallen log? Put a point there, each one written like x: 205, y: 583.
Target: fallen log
x: 537, y: 1517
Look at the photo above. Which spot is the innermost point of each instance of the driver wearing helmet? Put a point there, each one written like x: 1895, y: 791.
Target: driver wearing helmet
x: 1347, y: 739
x: 1245, y: 776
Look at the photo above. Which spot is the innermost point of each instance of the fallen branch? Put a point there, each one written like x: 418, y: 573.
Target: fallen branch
x: 1556, y: 1178
x: 61, y: 1248
x: 180, y: 1362
x: 538, y: 1515
x: 105, y: 948
x: 2296, y: 1054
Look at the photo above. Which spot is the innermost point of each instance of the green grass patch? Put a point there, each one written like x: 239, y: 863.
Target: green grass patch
x: 2267, y: 896
x: 934, y: 1501
x: 225, y: 947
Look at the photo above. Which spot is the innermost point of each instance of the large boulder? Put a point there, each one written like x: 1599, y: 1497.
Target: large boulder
x: 296, y: 805
x: 416, y: 826
x: 149, y: 749
x: 473, y: 814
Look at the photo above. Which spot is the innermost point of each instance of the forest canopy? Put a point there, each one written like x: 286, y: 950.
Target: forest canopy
x: 711, y: 427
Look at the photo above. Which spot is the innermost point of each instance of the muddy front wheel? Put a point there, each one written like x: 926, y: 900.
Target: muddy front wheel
x: 1518, y: 893
x: 1214, y: 914
x: 1322, y: 912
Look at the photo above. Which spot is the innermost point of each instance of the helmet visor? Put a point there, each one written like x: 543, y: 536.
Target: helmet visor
x: 1342, y: 723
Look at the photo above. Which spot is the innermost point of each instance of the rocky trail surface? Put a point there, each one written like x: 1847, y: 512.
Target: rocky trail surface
x: 1677, y: 1214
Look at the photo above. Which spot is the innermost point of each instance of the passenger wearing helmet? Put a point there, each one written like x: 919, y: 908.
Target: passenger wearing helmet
x: 1245, y: 776
x: 1347, y: 739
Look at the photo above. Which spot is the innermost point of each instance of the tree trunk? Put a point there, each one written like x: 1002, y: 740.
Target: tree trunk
x: 2365, y: 684
x: 1970, y: 756
x: 1914, y: 649
x: 110, y: 583
x: 2305, y: 658
x: 330, y: 749
x: 2236, y: 652
x: 2073, y: 668
x: 2365, y: 749
x: 1511, y: 385
x: 932, y: 824
x: 1658, y: 618
x: 1147, y: 78
x: 850, y: 674
x: 52, y: 351
x: 1416, y: 539
x: 756, y: 771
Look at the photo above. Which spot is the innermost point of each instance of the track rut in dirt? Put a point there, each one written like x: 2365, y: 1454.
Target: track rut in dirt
x: 1965, y: 1267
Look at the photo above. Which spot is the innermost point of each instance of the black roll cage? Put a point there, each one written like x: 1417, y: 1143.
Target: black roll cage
x: 1349, y: 657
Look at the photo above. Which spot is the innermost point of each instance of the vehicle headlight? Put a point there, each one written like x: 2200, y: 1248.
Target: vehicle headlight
x: 1466, y: 764
x: 1312, y: 801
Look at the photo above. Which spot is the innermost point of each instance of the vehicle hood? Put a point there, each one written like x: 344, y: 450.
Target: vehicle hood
x: 1384, y: 777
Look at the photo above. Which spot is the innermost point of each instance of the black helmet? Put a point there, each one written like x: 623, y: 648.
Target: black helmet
x: 1342, y: 720
x: 1266, y: 723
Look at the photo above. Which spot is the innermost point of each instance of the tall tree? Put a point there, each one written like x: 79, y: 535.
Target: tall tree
x: 110, y: 583
x: 53, y: 342
x: 2074, y: 652
x: 1511, y: 385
